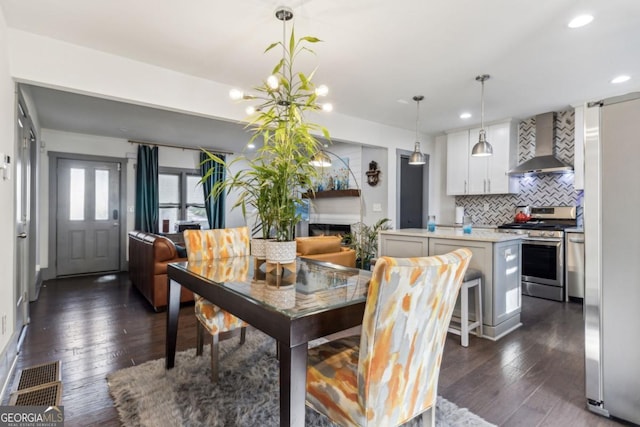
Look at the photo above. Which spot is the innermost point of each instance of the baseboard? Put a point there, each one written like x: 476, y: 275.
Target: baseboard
x: 8, y: 360
x: 48, y: 273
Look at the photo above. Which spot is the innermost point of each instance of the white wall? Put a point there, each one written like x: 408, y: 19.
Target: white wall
x: 7, y: 199
x: 440, y: 205
x: 45, y: 61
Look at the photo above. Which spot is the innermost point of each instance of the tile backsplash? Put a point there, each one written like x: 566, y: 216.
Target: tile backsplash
x: 537, y: 190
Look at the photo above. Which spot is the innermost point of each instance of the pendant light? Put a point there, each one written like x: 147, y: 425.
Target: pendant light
x: 417, y: 158
x: 482, y: 147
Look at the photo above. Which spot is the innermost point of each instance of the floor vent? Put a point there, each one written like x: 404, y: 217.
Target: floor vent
x: 49, y: 394
x: 39, y: 385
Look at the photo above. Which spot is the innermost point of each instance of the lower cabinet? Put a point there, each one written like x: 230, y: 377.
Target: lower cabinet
x: 403, y: 246
x: 498, y: 261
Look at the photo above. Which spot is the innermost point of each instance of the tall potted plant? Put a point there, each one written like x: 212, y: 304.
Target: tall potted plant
x: 281, y: 166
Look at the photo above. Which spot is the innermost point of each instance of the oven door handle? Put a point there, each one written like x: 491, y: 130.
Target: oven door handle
x: 542, y: 241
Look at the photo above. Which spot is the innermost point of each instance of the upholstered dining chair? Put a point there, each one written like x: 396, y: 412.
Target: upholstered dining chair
x: 205, y: 245
x: 389, y: 374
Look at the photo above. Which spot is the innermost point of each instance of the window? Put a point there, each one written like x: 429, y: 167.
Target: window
x: 181, y: 198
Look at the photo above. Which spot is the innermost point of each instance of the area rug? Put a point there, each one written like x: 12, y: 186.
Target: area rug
x: 246, y: 394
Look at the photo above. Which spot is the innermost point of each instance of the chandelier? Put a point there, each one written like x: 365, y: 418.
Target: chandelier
x: 286, y: 92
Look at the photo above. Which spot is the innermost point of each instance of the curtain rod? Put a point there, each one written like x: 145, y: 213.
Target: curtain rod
x: 160, y: 144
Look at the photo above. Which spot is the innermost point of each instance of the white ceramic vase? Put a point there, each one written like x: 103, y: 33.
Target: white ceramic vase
x: 259, y: 247
x: 281, y: 252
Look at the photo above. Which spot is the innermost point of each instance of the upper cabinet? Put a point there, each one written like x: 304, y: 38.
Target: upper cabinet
x: 468, y: 175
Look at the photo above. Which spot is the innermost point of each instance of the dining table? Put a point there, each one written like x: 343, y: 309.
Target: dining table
x: 294, y: 303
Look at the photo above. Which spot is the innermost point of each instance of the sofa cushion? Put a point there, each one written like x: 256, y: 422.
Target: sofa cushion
x: 318, y: 245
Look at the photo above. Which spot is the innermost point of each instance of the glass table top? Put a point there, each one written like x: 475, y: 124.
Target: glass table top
x: 297, y: 289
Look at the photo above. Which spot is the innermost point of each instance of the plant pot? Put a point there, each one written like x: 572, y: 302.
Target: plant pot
x: 259, y: 247
x: 281, y: 252
x: 280, y: 296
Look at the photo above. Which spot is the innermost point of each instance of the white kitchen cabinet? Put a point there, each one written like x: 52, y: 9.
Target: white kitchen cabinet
x: 457, y: 162
x: 482, y: 175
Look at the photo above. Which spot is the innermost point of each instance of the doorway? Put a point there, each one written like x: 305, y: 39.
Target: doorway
x: 413, y: 196
x: 25, y: 265
x: 87, y: 206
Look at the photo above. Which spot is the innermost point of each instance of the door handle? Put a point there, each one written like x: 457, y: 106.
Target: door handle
x: 22, y: 235
x: 574, y: 240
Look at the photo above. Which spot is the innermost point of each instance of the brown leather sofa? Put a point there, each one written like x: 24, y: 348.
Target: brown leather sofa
x: 149, y: 255
x: 325, y: 248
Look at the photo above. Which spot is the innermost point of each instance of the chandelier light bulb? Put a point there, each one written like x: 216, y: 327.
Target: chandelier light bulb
x: 251, y: 145
x: 273, y: 83
x: 327, y: 107
x: 322, y: 90
x: 236, y: 94
x: 250, y: 110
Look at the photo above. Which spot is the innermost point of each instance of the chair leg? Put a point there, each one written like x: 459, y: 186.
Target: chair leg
x: 214, y: 358
x: 429, y: 417
x: 199, y: 338
x: 464, y: 321
x: 243, y: 335
x: 479, y: 330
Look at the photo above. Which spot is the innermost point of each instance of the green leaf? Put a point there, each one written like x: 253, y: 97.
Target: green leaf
x: 311, y: 39
x: 271, y: 46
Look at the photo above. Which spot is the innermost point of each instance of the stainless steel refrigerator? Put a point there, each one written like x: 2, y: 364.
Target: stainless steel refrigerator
x: 612, y: 256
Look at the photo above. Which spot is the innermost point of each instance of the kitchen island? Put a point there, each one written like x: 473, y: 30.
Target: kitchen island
x: 496, y: 255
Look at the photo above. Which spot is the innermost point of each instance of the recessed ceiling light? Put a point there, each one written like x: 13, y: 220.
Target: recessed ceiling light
x: 620, y: 79
x: 465, y: 115
x: 251, y: 146
x: 580, y: 21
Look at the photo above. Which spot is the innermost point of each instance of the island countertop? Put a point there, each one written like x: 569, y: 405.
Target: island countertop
x: 481, y: 235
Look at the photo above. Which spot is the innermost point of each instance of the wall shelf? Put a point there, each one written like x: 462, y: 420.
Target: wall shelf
x: 332, y: 193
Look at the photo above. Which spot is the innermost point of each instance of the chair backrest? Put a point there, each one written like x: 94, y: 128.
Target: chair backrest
x: 409, y: 306
x: 203, y: 245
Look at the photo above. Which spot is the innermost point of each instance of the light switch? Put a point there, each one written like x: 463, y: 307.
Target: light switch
x: 377, y: 207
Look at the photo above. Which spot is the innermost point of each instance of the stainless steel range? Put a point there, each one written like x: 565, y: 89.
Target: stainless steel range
x: 543, y: 248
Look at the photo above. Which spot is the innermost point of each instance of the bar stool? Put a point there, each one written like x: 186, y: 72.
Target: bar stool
x: 472, y: 279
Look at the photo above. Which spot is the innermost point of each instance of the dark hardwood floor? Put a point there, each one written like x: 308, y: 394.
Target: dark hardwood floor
x: 97, y: 325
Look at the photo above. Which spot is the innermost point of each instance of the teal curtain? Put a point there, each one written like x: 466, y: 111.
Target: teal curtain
x: 146, y: 216
x: 213, y: 205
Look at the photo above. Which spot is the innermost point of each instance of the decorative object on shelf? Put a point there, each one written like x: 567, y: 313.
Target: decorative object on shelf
x: 331, y: 176
x: 279, y: 173
x: 321, y: 159
x: 482, y: 147
x: 417, y: 158
x: 372, y: 174
x: 364, y: 240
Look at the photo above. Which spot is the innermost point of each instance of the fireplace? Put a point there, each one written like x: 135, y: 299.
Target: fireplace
x: 316, y: 229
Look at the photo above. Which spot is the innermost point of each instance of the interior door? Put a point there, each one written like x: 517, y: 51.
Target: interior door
x: 88, y: 217
x: 411, y: 188
x: 23, y: 198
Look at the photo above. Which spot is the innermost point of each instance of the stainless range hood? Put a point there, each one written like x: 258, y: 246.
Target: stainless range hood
x: 544, y: 161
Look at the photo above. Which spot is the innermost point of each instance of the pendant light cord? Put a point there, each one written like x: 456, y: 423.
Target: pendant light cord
x: 417, y: 119
x: 482, y: 106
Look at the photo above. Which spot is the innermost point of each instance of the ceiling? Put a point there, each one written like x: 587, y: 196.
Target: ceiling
x: 375, y: 56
